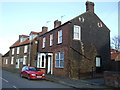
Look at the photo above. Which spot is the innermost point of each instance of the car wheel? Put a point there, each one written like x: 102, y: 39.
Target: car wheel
x: 28, y: 77
x: 21, y: 75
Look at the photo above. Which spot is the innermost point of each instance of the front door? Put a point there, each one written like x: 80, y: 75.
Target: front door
x: 17, y: 63
x: 49, y: 64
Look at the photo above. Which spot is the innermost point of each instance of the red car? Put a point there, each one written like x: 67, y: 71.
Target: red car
x: 32, y: 72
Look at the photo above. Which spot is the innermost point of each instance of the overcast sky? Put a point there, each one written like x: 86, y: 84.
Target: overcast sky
x: 17, y: 18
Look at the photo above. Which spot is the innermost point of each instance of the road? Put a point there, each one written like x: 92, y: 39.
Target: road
x: 13, y: 80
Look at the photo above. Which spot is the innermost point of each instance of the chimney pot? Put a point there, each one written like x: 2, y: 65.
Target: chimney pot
x: 89, y: 6
x: 57, y: 23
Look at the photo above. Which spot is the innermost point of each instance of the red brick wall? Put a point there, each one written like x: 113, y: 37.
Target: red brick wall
x: 63, y: 47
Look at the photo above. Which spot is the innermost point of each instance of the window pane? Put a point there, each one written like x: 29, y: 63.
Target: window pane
x: 51, y: 39
x: 61, y: 63
x: 42, y: 61
x: 57, y: 55
x: 77, y: 32
x: 97, y: 61
x: 60, y: 36
x: 61, y: 55
x: 57, y: 63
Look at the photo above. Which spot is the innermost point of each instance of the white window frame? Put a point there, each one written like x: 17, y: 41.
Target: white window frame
x: 43, y: 61
x: 6, y: 61
x: 13, y: 51
x: 98, y: 62
x: 59, y: 36
x: 18, y: 50
x: 44, y: 42
x: 51, y: 39
x: 12, y: 60
x: 59, y: 59
x: 25, y: 48
x: 77, y: 32
x: 24, y: 60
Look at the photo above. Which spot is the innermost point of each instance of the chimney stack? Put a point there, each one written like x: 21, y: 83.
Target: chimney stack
x: 57, y: 23
x: 89, y: 6
x: 44, y: 29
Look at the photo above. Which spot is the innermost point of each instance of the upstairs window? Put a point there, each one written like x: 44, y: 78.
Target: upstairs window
x: 44, y: 41
x: 51, y: 39
x: 77, y: 32
x: 59, y: 36
x: 13, y: 51
x: 25, y: 48
x: 59, y: 60
x: 18, y: 50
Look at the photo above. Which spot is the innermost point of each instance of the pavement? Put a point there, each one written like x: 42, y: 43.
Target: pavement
x: 81, y: 83
x: 91, y: 83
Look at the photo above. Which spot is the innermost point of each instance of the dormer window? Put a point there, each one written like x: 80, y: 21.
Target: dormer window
x: 23, y: 38
x: 32, y: 36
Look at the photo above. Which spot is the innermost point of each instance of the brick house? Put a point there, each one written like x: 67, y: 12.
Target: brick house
x: 76, y: 48
x: 5, y: 60
x: 23, y: 51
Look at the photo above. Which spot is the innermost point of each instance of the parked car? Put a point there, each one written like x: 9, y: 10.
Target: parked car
x: 31, y: 72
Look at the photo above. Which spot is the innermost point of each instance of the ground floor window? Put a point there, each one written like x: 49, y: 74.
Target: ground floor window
x: 98, y: 62
x: 12, y: 60
x: 6, y: 61
x: 59, y: 60
x: 24, y: 60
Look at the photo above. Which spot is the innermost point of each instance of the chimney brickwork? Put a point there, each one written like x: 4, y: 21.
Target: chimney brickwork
x: 89, y: 6
x: 57, y: 23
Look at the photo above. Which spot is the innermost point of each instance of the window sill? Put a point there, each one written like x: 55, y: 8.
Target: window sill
x: 76, y: 39
x: 59, y: 43
x: 59, y: 67
x: 51, y: 45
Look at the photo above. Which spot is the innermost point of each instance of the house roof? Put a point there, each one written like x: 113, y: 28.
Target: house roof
x: 6, y: 54
x: 34, y: 32
x: 18, y: 43
x: 23, y: 35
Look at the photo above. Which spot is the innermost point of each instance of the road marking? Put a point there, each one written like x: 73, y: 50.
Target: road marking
x: 4, y: 79
x: 15, y: 87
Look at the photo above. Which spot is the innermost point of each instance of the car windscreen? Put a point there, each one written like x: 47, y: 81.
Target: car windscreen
x: 32, y: 69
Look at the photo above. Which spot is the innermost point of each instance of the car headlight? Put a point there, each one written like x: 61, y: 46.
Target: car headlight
x: 33, y: 74
x: 43, y: 74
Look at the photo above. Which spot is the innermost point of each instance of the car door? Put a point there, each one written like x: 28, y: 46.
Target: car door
x: 23, y: 71
x: 26, y: 71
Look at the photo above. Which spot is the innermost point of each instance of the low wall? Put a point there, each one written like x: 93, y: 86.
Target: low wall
x: 112, y: 79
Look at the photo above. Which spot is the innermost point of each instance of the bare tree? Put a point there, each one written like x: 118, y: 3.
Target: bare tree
x: 115, y: 43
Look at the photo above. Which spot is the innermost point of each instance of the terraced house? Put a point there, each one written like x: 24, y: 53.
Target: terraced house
x: 22, y: 52
x: 76, y: 48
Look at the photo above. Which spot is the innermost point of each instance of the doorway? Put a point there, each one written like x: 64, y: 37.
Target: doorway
x: 17, y: 63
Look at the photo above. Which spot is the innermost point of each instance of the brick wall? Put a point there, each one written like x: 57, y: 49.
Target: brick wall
x: 112, y: 79
x: 115, y: 65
